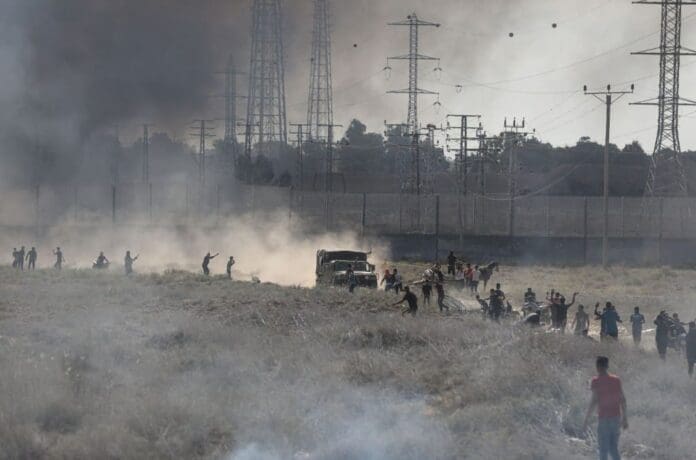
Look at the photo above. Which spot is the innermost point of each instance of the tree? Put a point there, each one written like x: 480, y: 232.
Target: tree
x: 361, y: 152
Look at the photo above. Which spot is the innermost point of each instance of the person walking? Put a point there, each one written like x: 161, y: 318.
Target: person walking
x: 637, y: 321
x: 691, y: 347
x: 609, y: 401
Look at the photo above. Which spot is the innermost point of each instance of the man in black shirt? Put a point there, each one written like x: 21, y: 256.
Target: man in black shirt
x: 412, y: 300
x: 206, y: 263
x: 427, y: 290
x: 451, y: 263
x: 662, y: 333
x: 691, y: 347
x: 441, y: 297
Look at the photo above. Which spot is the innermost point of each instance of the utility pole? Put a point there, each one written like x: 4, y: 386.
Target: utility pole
x: 512, y: 135
x: 300, y: 131
x: 202, y: 131
x: 146, y: 152
x: 266, y: 114
x: 667, y: 176
x: 320, y: 103
x: 608, y: 100
x: 230, y: 97
x: 462, y: 139
x: 410, y: 181
x: 329, y: 170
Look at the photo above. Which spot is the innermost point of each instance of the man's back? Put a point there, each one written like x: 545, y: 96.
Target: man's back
x: 609, y: 392
x: 691, y: 345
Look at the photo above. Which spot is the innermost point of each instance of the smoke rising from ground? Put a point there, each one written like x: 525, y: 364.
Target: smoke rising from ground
x: 264, y: 246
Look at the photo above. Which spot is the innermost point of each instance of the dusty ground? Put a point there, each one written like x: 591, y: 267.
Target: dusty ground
x: 96, y: 365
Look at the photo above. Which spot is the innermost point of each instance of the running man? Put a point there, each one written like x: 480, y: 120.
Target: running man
x: 206, y: 263
x: 412, y: 300
x: 609, y: 400
x: 637, y: 321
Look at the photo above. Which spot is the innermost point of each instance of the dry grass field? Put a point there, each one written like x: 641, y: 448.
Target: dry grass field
x: 175, y: 365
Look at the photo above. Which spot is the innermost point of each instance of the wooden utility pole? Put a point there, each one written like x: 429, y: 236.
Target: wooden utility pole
x: 608, y: 100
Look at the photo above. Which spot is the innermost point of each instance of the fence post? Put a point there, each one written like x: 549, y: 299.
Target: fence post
x: 584, y: 232
x: 401, y: 229
x: 37, y: 218
x: 437, y: 227
x: 75, y: 203
x: 364, y: 215
x: 113, y: 204
x: 217, y: 203
x: 188, y: 199
x: 149, y: 200
x: 548, y: 217
x: 660, y: 231
x: 290, y: 200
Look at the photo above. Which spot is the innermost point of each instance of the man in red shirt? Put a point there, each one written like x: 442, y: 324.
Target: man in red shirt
x: 608, y: 398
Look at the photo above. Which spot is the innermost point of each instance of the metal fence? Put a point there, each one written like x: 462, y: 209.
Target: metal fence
x: 447, y: 214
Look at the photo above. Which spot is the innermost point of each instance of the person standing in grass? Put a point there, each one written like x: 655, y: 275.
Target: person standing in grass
x: 581, y: 323
x: 398, y: 281
x: 230, y: 264
x: 427, y: 289
x: 441, y: 297
x: 31, y: 259
x: 59, y: 259
x: 128, y: 262
x: 691, y: 347
x: 206, y: 263
x: 451, y: 263
x: 609, y: 401
x: 637, y: 321
x: 662, y: 324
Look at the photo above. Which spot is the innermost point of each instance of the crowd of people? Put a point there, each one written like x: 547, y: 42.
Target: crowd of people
x: 22, y: 256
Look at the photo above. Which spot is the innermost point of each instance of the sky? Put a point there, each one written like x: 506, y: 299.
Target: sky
x: 70, y: 69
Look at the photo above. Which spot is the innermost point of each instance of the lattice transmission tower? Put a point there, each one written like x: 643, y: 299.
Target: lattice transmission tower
x: 410, y: 163
x: 320, y: 104
x: 266, y: 121
x: 667, y: 176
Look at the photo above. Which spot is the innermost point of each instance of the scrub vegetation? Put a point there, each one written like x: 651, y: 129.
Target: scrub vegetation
x: 176, y: 365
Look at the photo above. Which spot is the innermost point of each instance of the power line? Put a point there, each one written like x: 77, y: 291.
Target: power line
x: 410, y: 182
x: 667, y: 175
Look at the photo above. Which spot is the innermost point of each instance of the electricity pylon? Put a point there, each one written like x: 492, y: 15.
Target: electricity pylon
x: 266, y: 116
x: 409, y: 167
x: 320, y: 104
x: 667, y: 176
